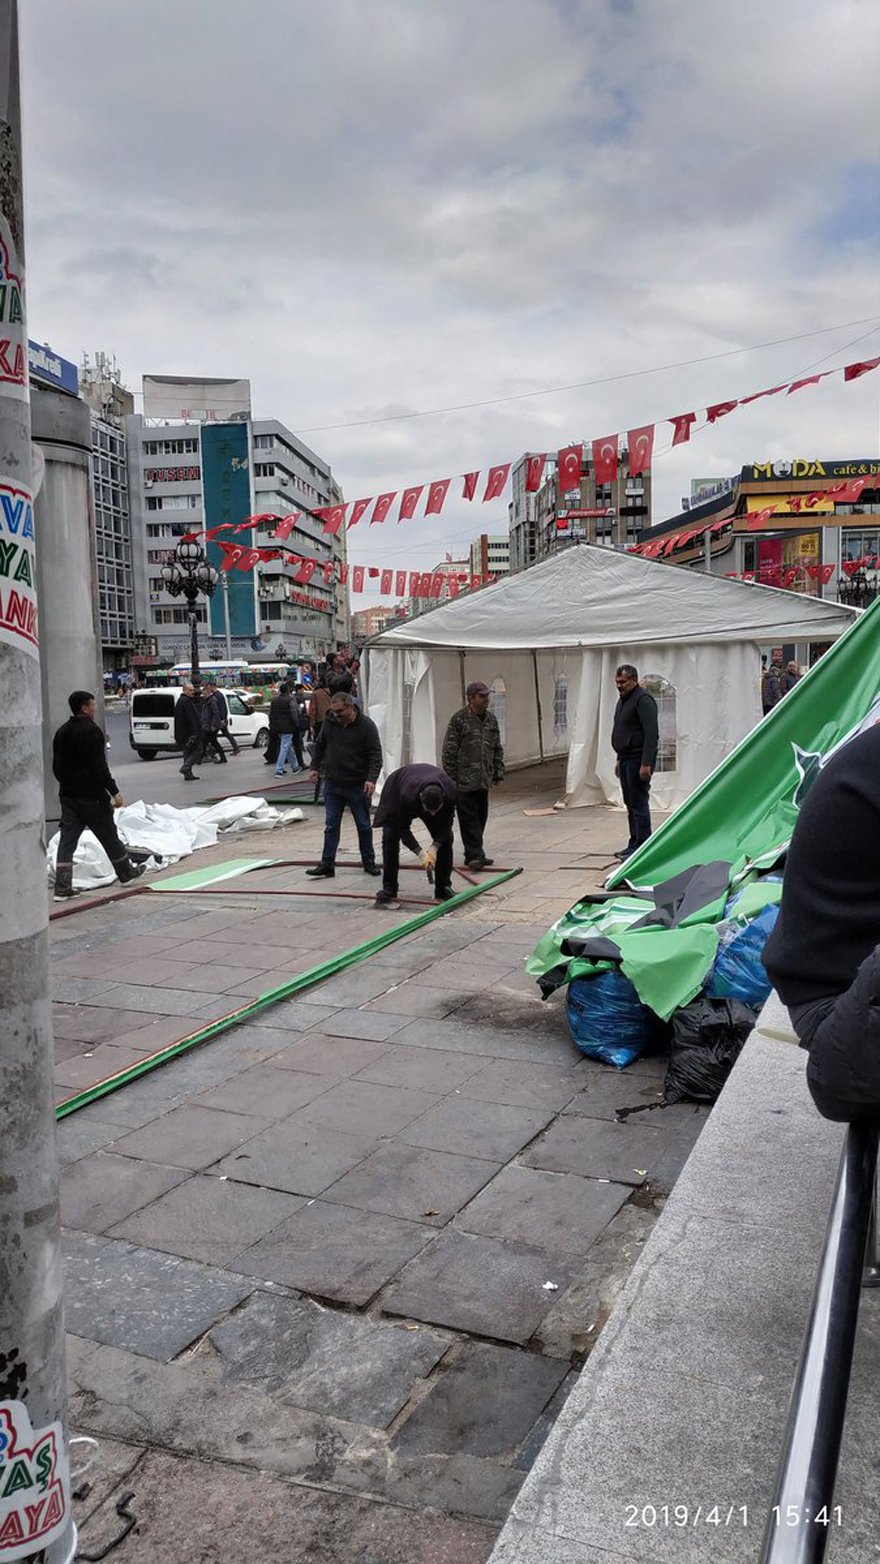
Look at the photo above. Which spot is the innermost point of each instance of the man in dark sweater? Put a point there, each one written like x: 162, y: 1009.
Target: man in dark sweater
x: 418, y: 792
x: 86, y: 788
x: 822, y: 956
x: 348, y: 754
x: 634, y: 739
x: 188, y: 732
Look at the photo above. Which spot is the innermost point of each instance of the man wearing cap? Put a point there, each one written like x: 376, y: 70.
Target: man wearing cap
x: 474, y: 759
x: 418, y: 792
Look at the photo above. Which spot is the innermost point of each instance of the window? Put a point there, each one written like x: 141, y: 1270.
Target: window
x: 560, y: 706
x: 498, y: 706
x: 667, y: 702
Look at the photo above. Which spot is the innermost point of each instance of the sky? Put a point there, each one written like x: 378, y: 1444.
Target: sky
x: 373, y: 209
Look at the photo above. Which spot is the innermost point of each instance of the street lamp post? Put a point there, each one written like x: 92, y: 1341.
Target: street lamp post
x: 186, y: 575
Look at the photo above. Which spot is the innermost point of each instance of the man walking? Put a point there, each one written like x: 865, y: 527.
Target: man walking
x: 773, y: 684
x: 209, y: 712
x: 88, y: 794
x: 418, y: 792
x: 223, y: 730
x: 284, y: 720
x: 474, y: 759
x: 348, y: 754
x: 634, y: 739
x: 188, y: 732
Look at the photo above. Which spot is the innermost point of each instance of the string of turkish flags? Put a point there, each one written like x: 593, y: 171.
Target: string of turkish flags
x: 605, y: 456
x: 402, y: 583
x: 845, y: 493
x: 787, y: 575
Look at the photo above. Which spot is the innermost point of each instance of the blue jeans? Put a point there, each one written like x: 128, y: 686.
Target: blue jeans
x: 284, y: 748
x: 338, y: 796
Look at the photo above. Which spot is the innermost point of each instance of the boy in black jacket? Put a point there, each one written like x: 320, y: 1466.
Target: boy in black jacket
x: 348, y: 754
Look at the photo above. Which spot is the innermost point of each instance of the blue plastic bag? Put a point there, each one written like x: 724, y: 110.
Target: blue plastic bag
x: 608, y: 1020
x: 738, y: 972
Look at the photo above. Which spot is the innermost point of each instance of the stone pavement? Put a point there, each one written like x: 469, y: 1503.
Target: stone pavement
x: 330, y: 1275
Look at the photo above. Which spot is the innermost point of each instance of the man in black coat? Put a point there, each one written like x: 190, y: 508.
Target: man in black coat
x: 635, y: 740
x: 284, y: 720
x: 823, y: 956
x: 417, y: 792
x: 86, y: 788
x: 348, y: 754
x: 188, y: 732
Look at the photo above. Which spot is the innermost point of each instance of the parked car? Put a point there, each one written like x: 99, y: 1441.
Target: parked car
x: 151, y: 721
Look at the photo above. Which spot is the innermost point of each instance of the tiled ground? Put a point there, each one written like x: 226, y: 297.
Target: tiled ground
x: 380, y: 1220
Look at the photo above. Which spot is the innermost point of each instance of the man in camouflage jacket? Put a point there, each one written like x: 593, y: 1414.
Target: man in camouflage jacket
x: 474, y: 758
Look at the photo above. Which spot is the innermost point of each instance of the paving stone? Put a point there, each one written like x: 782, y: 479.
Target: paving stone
x: 487, y: 1286
x: 216, y: 977
x: 190, y: 1137
x: 335, y: 1056
x: 357, y: 984
x: 76, y: 1136
x: 101, y: 1189
x: 69, y: 1048
x: 476, y: 1129
x: 604, y: 1094
x: 534, y: 1443
x: 265, y: 1091
x: 553, y: 1211
x: 74, y: 990
x: 96, y: 1064
x: 162, y: 1001
x: 335, y: 1252
x: 524, y: 1085
x: 118, y: 1294
x: 597, y: 1148
x: 483, y: 1403
x: 374, y: 1026
x: 405, y: 1181
x: 94, y: 1024
x: 336, y: 1363
x: 150, y: 1033
x: 485, y: 1041
x: 428, y: 1069
x: 678, y: 1146
x: 303, y: 1158
x: 210, y: 1219
x: 363, y: 1107
x: 411, y: 999
x: 297, y: 1015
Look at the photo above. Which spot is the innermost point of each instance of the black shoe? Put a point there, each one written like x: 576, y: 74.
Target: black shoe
x: 488, y: 862
x: 62, y: 894
x: 190, y: 776
x: 372, y: 868
x: 627, y: 853
x: 387, y: 899
x: 137, y: 869
x: 474, y: 863
x: 321, y: 871
x: 444, y: 893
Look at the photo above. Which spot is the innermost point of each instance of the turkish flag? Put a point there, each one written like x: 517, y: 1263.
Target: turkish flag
x: 718, y: 410
x: 756, y: 395
x: 569, y: 465
x: 357, y: 578
x: 682, y: 425
x: 286, y: 525
x: 386, y: 580
x: 640, y: 443
x: 495, y: 482
x: 452, y: 583
x: 795, y: 502
x: 267, y: 554
x: 247, y: 559
x: 850, y: 566
x: 333, y: 517
x: 760, y: 518
x: 811, y: 500
x: 748, y: 575
x: 854, y: 371
x: 231, y: 555
x: 470, y: 485
x: 425, y: 584
x: 534, y: 472
x: 306, y: 571
x: 790, y: 577
x: 327, y: 568
x: 256, y: 521
x: 408, y: 503
x: 605, y: 459
x: 813, y: 571
x: 372, y: 571
x: 847, y: 493
x: 436, y: 496
x: 225, y: 526
x: 190, y: 537
x: 475, y: 582
x: 436, y: 586
x: 382, y: 507
x: 414, y: 579
x: 809, y: 380
x: 357, y: 511
x: 827, y: 573
x: 400, y: 583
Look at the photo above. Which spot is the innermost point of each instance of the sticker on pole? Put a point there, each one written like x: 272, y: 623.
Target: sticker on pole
x: 18, y: 569
x: 34, y: 1483
x: 13, y: 334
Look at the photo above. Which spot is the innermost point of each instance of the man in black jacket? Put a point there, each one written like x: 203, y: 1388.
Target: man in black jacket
x: 188, y: 732
x: 348, y: 754
x: 823, y: 957
x: 86, y: 788
x: 634, y: 739
x: 284, y: 720
x: 418, y: 792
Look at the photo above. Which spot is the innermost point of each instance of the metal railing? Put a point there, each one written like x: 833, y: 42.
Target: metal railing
x: 802, y: 1515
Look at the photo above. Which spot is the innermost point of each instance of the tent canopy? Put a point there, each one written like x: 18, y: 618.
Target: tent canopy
x: 548, y: 640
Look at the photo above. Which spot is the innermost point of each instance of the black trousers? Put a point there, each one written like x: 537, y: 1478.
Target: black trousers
x: 391, y: 860
x: 227, y: 735
x: 636, y: 796
x: 95, y: 815
x: 270, y: 753
x: 472, y: 809
x: 193, y: 751
x: 843, y: 1070
x: 211, y: 745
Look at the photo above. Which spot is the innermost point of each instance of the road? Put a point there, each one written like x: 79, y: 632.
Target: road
x: 159, y: 781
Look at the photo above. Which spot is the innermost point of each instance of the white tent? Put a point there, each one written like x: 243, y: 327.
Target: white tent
x: 548, y: 641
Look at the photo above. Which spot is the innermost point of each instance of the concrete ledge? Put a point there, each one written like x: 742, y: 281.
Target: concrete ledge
x: 685, y: 1398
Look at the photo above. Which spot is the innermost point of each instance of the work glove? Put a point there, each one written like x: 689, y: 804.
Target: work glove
x: 428, y: 857
x: 117, y: 800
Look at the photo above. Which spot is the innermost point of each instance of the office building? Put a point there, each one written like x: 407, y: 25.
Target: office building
x: 100, y: 386
x: 490, y: 556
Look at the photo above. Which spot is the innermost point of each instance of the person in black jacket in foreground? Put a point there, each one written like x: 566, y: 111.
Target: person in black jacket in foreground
x: 823, y: 957
x: 348, y: 754
x: 418, y: 792
x: 86, y: 788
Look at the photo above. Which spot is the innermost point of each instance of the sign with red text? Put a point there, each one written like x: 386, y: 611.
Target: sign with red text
x: 34, y: 1484
x: 18, y: 571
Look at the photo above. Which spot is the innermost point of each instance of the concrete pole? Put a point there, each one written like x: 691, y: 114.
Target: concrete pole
x: 35, y: 1520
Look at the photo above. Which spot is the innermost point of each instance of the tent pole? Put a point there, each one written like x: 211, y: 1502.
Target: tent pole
x: 538, y: 706
x: 461, y: 657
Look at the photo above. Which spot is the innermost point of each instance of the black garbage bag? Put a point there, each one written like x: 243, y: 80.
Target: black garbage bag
x: 707, y: 1036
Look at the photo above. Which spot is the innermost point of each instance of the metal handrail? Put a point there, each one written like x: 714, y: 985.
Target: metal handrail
x: 811, y: 1449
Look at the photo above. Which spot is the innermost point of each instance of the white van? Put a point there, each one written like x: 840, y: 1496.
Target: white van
x: 151, y: 721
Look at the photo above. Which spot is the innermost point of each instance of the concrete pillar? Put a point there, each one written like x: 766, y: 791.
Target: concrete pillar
x: 67, y: 571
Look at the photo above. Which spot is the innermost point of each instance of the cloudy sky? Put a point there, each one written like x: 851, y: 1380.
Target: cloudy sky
x: 377, y: 208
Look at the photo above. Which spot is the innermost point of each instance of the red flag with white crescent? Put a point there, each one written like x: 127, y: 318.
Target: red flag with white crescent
x: 333, y: 517
x: 436, y: 496
x: 569, y: 466
x: 409, y: 501
x: 436, y: 586
x: 247, y: 559
x: 854, y: 371
x: 357, y: 578
x: 231, y: 555
x: 357, y: 511
x: 605, y: 459
x: 306, y: 571
x: 475, y: 582
x: 847, y: 493
x: 496, y: 480
x: 756, y: 396
x: 400, y: 583
x: 343, y: 574
x: 452, y: 584
x: 470, y: 485
x: 808, y: 380
x: 534, y: 472
x: 718, y: 410
x: 682, y: 425
x: 327, y: 568
x: 640, y: 443
x: 385, y: 581
x: 827, y: 573
x: 414, y: 579
x: 382, y: 507
x: 225, y: 526
x: 191, y: 537
x: 286, y: 525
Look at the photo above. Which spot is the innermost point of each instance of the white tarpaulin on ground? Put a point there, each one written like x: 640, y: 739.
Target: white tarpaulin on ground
x: 548, y: 640
x: 169, y: 834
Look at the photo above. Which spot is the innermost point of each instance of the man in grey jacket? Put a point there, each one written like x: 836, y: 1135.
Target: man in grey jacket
x: 474, y: 758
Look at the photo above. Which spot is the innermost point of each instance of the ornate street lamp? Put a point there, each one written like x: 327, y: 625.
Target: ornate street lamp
x: 186, y: 575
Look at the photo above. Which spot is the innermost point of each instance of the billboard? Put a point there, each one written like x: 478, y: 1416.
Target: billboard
x: 184, y: 400
x: 227, y: 499
x: 50, y: 369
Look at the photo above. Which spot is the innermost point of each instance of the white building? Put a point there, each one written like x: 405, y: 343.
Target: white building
x: 490, y: 556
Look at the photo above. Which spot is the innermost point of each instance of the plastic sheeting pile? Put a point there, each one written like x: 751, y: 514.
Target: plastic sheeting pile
x: 168, y: 834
